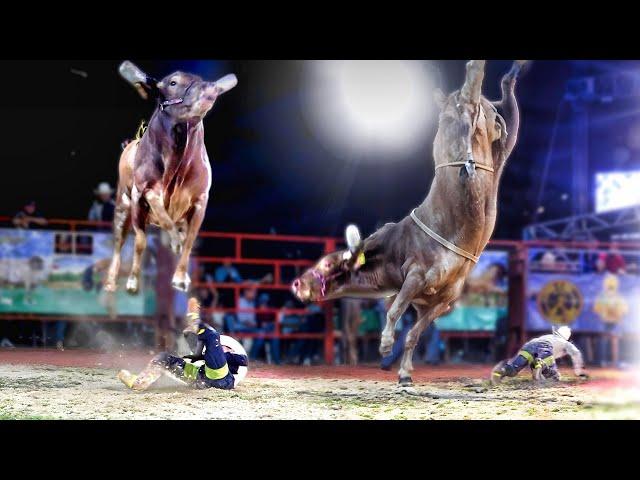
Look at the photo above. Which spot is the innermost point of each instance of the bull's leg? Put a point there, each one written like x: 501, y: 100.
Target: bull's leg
x: 121, y: 223
x: 413, y: 284
x: 472, y: 88
x: 181, y: 280
x: 425, y: 317
x: 139, y: 219
x: 508, y: 104
x: 156, y: 203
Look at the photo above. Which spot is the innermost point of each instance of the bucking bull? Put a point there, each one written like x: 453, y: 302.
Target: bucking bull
x: 424, y: 259
x: 165, y: 176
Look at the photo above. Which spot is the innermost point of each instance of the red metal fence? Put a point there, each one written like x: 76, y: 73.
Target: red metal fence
x: 518, y: 268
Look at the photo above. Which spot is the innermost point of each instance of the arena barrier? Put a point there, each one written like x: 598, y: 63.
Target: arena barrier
x: 521, y: 258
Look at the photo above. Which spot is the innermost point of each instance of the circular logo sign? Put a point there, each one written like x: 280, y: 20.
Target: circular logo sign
x: 560, y: 302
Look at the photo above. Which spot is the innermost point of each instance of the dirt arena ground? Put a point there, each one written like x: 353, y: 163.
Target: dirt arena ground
x: 45, y: 384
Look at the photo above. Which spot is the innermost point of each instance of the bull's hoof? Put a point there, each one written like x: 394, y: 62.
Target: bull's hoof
x: 405, y: 382
x: 110, y: 287
x: 386, y: 345
x: 385, y: 349
x: 181, y: 283
x: 132, y: 285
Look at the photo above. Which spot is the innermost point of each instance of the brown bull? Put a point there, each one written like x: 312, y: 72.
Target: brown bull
x: 424, y: 259
x: 165, y: 176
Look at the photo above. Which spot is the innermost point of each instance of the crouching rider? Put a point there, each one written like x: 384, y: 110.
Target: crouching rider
x: 210, y: 366
x: 540, y: 355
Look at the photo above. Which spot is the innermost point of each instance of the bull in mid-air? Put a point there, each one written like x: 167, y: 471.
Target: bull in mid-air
x: 165, y: 176
x: 424, y: 259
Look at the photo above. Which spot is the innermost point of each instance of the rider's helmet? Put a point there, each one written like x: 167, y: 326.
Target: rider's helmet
x: 564, y: 332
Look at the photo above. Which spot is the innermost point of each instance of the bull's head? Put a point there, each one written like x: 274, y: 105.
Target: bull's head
x: 463, y: 114
x: 183, y: 96
x: 324, y: 279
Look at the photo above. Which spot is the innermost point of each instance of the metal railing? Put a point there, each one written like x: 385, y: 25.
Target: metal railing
x: 518, y: 267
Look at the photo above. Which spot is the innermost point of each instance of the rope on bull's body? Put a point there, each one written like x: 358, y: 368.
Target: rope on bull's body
x: 443, y: 241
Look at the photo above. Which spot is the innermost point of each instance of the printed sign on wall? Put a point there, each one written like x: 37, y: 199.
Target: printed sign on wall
x: 47, y: 272
x: 485, y: 297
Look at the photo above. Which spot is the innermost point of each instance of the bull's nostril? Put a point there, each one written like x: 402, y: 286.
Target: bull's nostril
x: 296, y: 283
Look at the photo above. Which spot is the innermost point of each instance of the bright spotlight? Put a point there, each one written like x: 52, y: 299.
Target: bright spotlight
x: 370, y: 108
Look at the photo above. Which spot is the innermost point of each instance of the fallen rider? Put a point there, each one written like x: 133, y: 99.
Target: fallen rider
x: 209, y: 367
x: 540, y: 355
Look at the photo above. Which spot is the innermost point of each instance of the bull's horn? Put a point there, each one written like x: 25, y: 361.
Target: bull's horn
x: 352, y: 235
x: 131, y: 73
x: 226, y: 83
x: 472, y: 87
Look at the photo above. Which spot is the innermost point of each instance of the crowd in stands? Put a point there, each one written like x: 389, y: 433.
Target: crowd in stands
x: 612, y: 260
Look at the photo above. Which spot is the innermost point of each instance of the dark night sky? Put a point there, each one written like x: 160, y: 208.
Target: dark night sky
x: 61, y: 135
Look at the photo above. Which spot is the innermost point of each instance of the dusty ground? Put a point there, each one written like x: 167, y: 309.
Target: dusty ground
x: 76, y: 385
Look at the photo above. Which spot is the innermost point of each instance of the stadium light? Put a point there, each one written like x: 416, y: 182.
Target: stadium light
x: 370, y: 108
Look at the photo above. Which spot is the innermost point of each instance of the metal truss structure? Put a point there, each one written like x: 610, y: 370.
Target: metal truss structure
x: 590, y: 226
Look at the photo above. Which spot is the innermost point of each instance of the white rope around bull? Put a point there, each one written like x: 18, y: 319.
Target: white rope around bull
x: 443, y: 241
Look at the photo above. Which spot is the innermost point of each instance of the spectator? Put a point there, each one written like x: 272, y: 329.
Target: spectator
x: 227, y: 273
x: 245, y: 322
x: 208, y: 296
x: 370, y: 324
x: 265, y: 321
x: 103, y: 206
x: 248, y: 322
x: 290, y: 323
x: 433, y: 344
x: 60, y: 328
x: 615, y: 262
x: 28, y: 215
x: 313, y: 323
x: 548, y: 261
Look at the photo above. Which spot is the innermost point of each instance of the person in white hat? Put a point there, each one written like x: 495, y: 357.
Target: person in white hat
x: 103, y: 206
x: 540, y: 354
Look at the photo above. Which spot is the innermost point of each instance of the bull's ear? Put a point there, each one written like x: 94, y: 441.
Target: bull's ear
x: 136, y: 77
x: 355, y: 255
x: 226, y: 83
x: 440, y: 98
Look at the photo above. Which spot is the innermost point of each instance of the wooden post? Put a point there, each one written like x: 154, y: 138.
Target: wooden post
x: 518, y: 267
x: 329, y: 337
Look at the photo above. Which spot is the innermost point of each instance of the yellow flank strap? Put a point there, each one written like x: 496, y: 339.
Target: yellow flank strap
x: 443, y: 241
x: 201, y: 331
x: 497, y: 374
x: 216, y: 373
x: 550, y: 360
x: 526, y: 355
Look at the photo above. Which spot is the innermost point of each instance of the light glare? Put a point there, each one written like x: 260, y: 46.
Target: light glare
x: 365, y: 109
